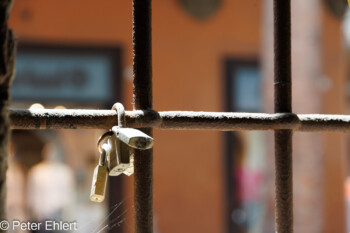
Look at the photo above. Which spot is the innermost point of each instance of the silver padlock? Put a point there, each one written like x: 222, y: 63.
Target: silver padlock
x: 118, y: 156
x: 122, y: 143
x: 99, y: 180
x: 133, y: 137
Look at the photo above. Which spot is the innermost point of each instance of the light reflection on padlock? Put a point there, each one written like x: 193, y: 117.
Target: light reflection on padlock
x: 118, y: 157
x: 99, y: 180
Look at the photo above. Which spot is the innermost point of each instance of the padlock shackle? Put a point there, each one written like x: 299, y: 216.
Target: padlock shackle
x: 102, y: 138
x: 103, y: 156
x: 121, y: 114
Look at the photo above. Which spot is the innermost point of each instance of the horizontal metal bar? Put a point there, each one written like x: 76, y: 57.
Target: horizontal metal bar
x: 182, y: 120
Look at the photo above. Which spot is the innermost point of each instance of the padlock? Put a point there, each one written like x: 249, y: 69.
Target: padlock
x: 99, y: 180
x: 122, y: 143
x: 118, y: 156
x: 130, y: 170
x: 133, y: 137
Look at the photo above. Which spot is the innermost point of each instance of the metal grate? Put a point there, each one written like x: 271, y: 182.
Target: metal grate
x: 283, y: 122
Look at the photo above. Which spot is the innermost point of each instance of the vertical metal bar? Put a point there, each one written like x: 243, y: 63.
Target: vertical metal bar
x: 142, y: 45
x: 283, y: 103
x: 7, y: 64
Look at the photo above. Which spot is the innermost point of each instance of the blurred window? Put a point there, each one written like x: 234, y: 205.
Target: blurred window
x: 246, y: 83
x: 245, y: 151
x: 67, y: 74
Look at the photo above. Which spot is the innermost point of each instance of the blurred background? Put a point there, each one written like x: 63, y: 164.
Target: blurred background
x: 208, y: 55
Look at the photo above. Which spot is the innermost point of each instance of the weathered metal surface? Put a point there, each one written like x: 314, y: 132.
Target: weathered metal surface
x: 63, y: 119
x: 283, y: 104
x: 178, y: 120
x: 143, y: 159
x: 7, y: 61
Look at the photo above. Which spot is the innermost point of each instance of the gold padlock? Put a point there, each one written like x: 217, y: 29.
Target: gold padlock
x: 99, y: 180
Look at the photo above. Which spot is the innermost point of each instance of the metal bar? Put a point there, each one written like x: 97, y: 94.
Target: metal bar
x: 7, y: 70
x: 283, y: 104
x: 143, y: 163
x: 177, y: 120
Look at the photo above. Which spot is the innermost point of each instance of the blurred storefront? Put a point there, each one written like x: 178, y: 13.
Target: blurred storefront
x: 57, y: 166
x: 207, y: 56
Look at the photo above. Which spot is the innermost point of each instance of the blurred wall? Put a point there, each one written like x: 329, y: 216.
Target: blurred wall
x: 319, y: 86
x: 334, y: 101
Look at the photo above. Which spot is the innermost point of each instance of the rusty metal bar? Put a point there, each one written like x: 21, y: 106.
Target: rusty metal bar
x: 283, y: 104
x: 143, y: 178
x: 7, y: 71
x: 178, y: 120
